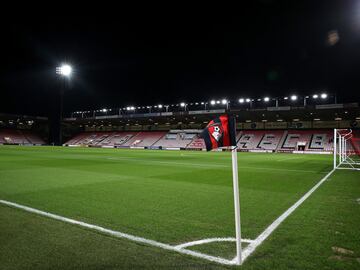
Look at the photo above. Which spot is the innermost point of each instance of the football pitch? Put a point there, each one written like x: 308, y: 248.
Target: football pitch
x: 173, y: 198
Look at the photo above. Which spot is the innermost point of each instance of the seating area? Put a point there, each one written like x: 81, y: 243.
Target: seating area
x: 307, y: 140
x: 197, y: 143
x: 116, y: 139
x: 20, y: 137
x: 259, y: 140
x: 355, y: 143
x: 101, y: 139
x: 248, y: 140
x: 177, y: 139
x: 145, y: 139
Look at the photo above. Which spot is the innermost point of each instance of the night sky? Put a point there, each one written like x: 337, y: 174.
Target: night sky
x: 171, y: 55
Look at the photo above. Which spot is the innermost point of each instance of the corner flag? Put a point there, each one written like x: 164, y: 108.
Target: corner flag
x: 221, y: 132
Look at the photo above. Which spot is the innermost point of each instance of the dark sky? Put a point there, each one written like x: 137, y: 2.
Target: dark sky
x: 181, y: 54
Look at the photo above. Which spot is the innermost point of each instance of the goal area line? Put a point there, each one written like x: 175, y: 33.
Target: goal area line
x: 181, y: 248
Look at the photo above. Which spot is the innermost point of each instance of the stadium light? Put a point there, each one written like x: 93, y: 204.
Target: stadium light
x: 315, y: 96
x: 286, y: 98
x: 160, y: 106
x: 248, y: 100
x: 266, y: 99
x: 241, y: 100
x: 212, y: 102
x: 324, y: 95
x: 294, y: 97
x: 218, y: 102
x: 224, y: 101
x: 182, y: 104
x: 64, y: 70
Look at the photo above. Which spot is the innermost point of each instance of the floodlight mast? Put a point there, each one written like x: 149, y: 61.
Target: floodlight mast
x: 65, y: 71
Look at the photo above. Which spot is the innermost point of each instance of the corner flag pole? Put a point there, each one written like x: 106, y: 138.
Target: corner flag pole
x: 237, y: 205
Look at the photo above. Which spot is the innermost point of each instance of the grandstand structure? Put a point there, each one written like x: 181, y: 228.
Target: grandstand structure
x: 289, y: 141
x: 23, y: 130
x: 20, y: 137
x: 290, y: 129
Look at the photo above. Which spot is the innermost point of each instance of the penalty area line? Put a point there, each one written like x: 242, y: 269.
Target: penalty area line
x: 118, y: 234
x: 269, y: 230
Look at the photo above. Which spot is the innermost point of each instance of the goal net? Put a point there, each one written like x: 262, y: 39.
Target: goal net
x: 346, y: 149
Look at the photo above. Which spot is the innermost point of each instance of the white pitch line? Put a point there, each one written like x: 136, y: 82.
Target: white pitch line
x: 289, y: 158
x: 169, y: 162
x: 266, y: 233
x: 211, y: 240
x: 120, y: 234
x: 209, y: 165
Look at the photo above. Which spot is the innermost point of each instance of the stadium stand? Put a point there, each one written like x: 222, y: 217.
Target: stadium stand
x: 116, y: 139
x: 355, y: 142
x: 101, y: 139
x: 196, y: 143
x: 177, y: 139
x: 248, y: 140
x: 259, y: 140
x: 307, y: 140
x: 145, y: 139
x: 20, y: 137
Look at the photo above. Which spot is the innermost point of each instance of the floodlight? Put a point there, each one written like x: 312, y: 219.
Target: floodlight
x: 160, y: 106
x: 241, y: 100
x: 248, y: 100
x: 218, y: 102
x: 294, y: 97
x: 212, y: 102
x: 324, y: 95
x: 224, y: 101
x: 315, y: 96
x: 286, y: 98
x: 182, y: 104
x: 64, y: 70
x: 266, y: 99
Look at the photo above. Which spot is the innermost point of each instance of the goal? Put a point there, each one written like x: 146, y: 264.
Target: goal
x: 346, y: 149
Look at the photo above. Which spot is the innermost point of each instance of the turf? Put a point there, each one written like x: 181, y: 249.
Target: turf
x: 173, y: 197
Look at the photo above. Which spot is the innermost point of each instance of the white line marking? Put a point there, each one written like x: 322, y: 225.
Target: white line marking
x: 266, y: 233
x: 288, y: 158
x: 169, y: 163
x: 120, y: 234
x: 209, y: 166
x: 210, y: 240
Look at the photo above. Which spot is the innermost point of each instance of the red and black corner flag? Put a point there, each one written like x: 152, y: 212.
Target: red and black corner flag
x: 220, y: 132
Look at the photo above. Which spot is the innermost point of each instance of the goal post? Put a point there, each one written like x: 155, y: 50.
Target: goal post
x: 346, y: 149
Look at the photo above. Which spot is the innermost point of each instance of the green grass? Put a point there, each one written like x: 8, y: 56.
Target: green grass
x: 172, y: 197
